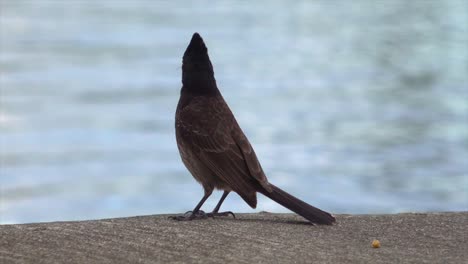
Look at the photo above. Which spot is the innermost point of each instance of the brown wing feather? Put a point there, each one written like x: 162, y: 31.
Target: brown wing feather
x: 233, y: 172
x: 222, y: 147
x: 251, y: 159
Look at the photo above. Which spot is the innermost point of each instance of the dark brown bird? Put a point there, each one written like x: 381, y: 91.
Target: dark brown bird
x: 213, y: 147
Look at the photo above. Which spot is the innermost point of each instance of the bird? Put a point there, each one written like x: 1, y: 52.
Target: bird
x: 214, y: 148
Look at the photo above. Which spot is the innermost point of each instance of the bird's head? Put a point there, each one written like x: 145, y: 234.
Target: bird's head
x: 197, y: 71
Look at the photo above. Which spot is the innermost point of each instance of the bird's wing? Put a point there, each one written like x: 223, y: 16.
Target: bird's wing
x: 212, y: 131
x: 250, y: 158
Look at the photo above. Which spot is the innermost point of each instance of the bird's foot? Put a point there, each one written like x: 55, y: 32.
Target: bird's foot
x: 189, y: 215
x: 214, y: 214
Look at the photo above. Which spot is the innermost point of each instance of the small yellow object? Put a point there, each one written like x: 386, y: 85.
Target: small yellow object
x: 375, y: 243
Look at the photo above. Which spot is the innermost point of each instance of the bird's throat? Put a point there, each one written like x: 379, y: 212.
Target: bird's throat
x: 199, y: 84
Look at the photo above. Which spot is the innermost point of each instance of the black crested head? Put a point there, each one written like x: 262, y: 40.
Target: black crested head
x: 197, y: 71
x: 196, y: 47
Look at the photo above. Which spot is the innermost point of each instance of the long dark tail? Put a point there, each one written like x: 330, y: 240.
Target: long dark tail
x: 301, y: 208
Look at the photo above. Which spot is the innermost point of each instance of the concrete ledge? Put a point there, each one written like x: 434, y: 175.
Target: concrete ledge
x: 251, y: 238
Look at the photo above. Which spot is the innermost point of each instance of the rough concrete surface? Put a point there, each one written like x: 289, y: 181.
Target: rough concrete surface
x: 251, y: 238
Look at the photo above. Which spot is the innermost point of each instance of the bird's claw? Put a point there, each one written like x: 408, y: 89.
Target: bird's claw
x: 189, y: 215
x: 214, y: 214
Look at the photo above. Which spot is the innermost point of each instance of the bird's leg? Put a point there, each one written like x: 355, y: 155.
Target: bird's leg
x: 225, y: 194
x: 196, y: 213
x: 216, y: 210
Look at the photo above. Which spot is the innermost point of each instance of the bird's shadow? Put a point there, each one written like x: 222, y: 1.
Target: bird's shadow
x: 262, y: 220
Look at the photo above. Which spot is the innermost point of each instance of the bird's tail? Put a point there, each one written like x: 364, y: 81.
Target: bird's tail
x: 301, y: 208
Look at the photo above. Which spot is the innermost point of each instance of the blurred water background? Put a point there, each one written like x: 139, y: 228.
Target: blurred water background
x: 353, y: 106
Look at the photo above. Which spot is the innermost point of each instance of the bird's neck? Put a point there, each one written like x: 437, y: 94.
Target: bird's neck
x: 199, y: 84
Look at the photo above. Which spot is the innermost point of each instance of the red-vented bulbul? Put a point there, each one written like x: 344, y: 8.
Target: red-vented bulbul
x: 213, y: 147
